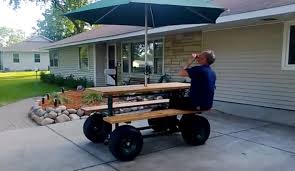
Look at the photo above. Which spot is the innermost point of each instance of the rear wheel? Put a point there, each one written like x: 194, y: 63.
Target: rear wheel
x: 95, y: 129
x: 195, y: 129
x: 126, y: 142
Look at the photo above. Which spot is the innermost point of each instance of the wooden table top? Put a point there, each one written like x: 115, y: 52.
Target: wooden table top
x: 120, y: 90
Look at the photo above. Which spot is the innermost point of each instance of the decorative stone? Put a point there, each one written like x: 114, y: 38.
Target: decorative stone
x: 139, y: 98
x: 134, y: 108
x: 49, y: 109
x: 62, y: 118
x: 52, y: 115
x: 62, y: 108
x: 37, y: 119
x: 127, y: 110
x: 140, y: 108
x: 74, y: 116
x: 121, y: 110
x: 131, y: 98
x: 72, y: 111
x: 80, y: 112
x: 80, y: 88
x: 84, y: 117
x: 59, y: 114
x: 145, y: 99
x: 66, y: 112
x: 159, y: 98
x: 40, y: 112
x: 47, y: 121
x: 36, y: 107
x: 57, y: 110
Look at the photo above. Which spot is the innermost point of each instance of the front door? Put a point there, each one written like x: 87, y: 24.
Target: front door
x: 111, y: 65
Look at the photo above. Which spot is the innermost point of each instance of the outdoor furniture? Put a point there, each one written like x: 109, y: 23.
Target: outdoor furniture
x: 126, y: 141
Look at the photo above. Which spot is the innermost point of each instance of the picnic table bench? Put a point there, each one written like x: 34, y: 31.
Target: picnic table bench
x: 125, y: 141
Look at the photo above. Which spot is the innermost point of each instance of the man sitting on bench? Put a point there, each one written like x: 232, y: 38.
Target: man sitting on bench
x: 202, y: 82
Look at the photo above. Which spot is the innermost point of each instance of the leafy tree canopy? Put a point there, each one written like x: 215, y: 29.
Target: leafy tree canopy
x: 10, y: 36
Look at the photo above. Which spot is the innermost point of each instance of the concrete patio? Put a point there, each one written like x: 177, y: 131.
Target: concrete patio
x: 235, y: 144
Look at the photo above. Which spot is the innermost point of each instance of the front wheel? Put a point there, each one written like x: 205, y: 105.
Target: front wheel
x: 125, y: 142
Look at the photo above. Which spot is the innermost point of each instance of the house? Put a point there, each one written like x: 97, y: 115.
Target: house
x: 254, y: 43
x: 25, y: 55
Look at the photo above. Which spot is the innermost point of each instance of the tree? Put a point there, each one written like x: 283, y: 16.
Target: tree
x: 10, y: 36
x: 55, y: 25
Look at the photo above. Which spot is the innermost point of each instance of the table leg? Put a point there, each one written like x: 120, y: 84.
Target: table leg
x: 110, y: 105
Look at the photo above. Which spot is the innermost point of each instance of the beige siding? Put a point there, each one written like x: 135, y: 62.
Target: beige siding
x: 248, y: 66
x: 178, y: 48
x: 69, y: 63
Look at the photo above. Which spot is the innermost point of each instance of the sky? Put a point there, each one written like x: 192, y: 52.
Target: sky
x: 24, y: 18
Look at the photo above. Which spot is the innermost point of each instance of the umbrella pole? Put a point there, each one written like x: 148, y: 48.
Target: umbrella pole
x: 146, y: 46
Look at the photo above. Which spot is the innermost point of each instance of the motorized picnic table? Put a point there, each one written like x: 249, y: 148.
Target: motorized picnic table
x: 126, y: 141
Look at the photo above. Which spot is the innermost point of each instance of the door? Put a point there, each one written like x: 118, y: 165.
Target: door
x: 1, y: 66
x: 111, y: 65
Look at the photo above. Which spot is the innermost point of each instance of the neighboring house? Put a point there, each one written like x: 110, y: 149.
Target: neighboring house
x: 25, y: 55
x: 254, y: 43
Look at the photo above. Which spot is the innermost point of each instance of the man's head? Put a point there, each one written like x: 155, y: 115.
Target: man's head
x: 206, y: 58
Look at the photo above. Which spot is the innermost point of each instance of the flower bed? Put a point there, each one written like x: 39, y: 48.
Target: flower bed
x: 68, y: 107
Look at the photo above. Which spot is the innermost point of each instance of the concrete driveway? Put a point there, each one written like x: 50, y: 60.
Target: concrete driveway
x: 236, y: 144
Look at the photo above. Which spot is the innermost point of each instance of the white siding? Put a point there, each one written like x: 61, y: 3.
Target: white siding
x: 69, y: 63
x: 248, y: 66
x: 26, y: 61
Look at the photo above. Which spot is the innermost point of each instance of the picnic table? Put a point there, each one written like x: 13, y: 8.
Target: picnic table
x: 126, y: 141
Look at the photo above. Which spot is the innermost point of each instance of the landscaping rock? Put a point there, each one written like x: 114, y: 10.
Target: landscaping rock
x: 66, y: 112
x: 47, y: 121
x: 80, y: 88
x: 57, y: 110
x: 134, y: 108
x: 49, y: 109
x: 80, y: 112
x: 37, y: 119
x: 145, y: 99
x: 62, y: 108
x: 52, y: 115
x: 139, y: 98
x: 62, y: 118
x: 127, y: 110
x: 131, y: 98
x: 40, y: 112
x: 74, y: 117
x: 140, y: 108
x: 158, y: 98
x: 36, y: 107
x: 72, y: 111
x: 121, y: 110
x: 84, y: 117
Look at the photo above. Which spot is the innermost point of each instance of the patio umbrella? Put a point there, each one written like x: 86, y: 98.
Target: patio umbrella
x: 148, y: 13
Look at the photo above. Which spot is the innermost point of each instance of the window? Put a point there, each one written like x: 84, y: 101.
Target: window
x: 288, y: 61
x: 15, y: 58
x: 53, y: 58
x: 83, y: 58
x: 37, y: 58
x: 133, y: 57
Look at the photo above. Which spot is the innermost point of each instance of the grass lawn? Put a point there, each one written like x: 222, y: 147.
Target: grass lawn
x: 15, y: 86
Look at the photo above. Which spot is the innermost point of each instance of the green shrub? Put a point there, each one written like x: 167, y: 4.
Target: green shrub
x: 59, y: 80
x: 91, y: 97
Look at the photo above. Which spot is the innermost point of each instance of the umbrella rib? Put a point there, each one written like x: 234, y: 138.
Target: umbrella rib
x: 152, y: 15
x: 201, y: 15
x: 107, y: 13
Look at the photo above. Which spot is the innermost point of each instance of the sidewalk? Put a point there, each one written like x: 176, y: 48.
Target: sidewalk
x: 15, y: 115
x: 235, y: 143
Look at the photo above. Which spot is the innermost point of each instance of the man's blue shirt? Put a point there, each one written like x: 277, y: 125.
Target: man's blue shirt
x: 202, y: 86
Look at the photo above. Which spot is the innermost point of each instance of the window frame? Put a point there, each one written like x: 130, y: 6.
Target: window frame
x: 57, y: 58
x: 129, y: 56
x: 286, y: 46
x: 79, y: 59
x: 39, y: 57
x: 13, y: 58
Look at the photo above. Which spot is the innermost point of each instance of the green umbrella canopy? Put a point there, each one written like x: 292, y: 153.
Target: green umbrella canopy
x: 159, y: 12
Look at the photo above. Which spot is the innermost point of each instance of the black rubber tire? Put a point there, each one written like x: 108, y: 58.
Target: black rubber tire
x: 162, y: 124
x: 95, y: 129
x: 195, y: 129
x: 125, y: 142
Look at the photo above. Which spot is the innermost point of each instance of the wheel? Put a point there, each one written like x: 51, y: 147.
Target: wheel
x: 162, y: 124
x: 125, y: 142
x: 195, y: 129
x: 95, y: 129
